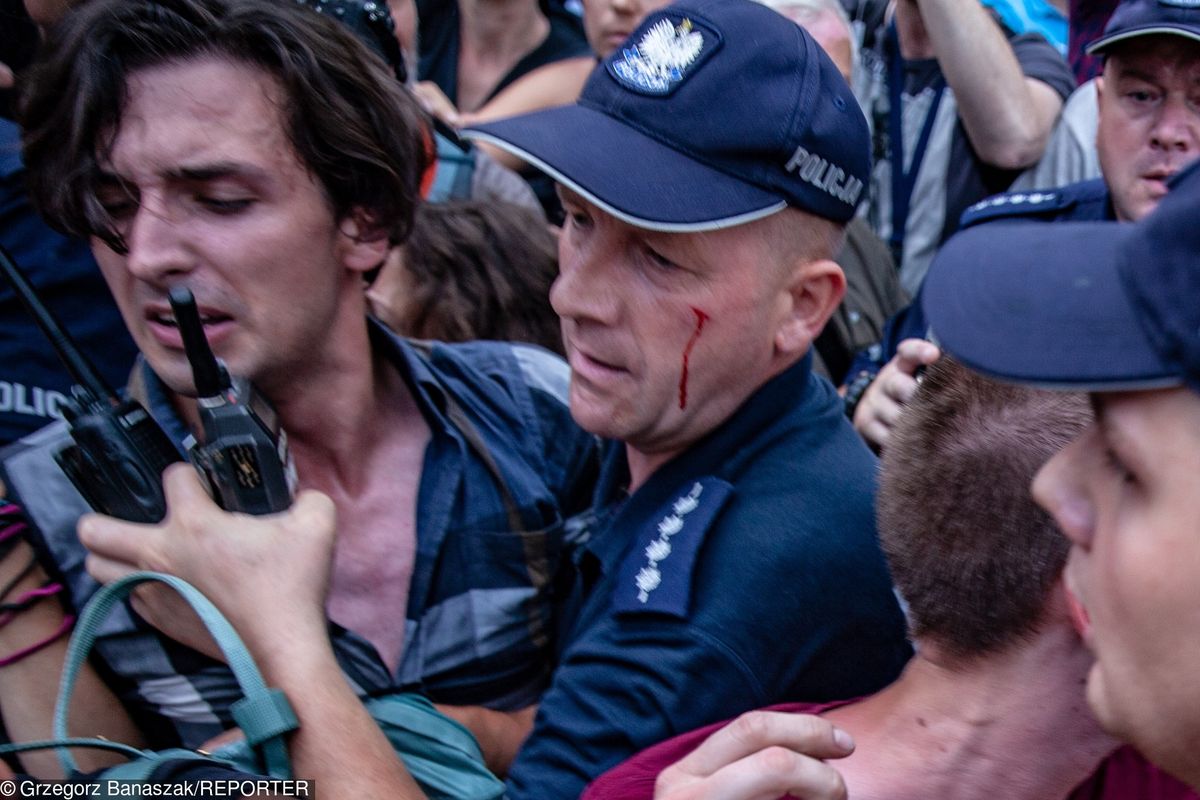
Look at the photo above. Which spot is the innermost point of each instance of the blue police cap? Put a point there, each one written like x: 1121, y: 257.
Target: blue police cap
x: 1096, y: 306
x: 713, y: 113
x: 1144, y: 17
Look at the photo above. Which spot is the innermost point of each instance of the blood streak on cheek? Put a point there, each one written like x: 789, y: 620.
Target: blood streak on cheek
x: 701, y: 318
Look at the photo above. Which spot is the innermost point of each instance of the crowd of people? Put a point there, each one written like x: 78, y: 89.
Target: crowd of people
x: 723, y: 399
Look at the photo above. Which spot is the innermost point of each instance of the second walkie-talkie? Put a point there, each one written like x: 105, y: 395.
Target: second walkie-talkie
x: 243, y: 460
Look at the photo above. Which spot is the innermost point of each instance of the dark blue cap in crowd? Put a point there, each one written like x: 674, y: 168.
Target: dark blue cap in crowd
x: 1097, y: 306
x: 712, y: 114
x: 1144, y: 17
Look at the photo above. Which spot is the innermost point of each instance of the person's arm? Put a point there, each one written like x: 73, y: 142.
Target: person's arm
x: 1007, y: 115
x: 29, y: 683
x: 500, y: 734
x: 760, y: 756
x: 555, y: 84
x: 7, y: 79
x: 270, y: 577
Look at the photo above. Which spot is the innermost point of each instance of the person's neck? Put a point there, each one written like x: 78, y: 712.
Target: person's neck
x: 910, y: 29
x: 648, y: 456
x: 1014, y: 725
x: 501, y: 30
x: 333, y: 432
x: 643, y: 465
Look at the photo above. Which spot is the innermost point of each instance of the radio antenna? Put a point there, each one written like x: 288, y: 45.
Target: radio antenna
x: 80, y: 368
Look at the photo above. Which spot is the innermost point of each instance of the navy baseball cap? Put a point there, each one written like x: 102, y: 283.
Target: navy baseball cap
x: 1144, y: 17
x: 1097, y: 306
x: 712, y: 114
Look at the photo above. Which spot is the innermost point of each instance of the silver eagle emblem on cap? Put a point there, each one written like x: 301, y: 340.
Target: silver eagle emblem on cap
x: 657, y: 62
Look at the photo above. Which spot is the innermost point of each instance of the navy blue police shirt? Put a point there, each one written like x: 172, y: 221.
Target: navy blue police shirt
x: 33, y: 381
x: 744, y: 572
x: 1086, y: 201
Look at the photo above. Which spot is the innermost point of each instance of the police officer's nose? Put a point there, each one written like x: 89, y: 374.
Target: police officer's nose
x: 1177, y: 126
x: 582, y: 290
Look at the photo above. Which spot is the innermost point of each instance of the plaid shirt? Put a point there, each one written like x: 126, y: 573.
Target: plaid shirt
x: 481, y: 615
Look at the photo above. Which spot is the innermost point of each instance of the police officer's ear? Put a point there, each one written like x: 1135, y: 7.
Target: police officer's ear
x: 362, y: 242
x: 816, y: 289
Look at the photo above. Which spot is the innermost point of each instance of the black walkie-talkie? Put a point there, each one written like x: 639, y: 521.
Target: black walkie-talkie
x: 243, y: 458
x: 120, y: 452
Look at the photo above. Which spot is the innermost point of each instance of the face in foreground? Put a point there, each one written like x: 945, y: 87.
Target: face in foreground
x: 1127, y: 494
x: 208, y: 193
x: 668, y: 333
x: 1149, y: 103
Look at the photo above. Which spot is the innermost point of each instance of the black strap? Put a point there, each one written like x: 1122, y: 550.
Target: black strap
x: 903, y: 180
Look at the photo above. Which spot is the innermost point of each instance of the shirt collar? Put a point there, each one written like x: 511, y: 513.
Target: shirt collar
x: 722, y: 452
x: 427, y: 392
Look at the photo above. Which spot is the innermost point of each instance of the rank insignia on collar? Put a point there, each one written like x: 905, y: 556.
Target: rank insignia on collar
x: 648, y: 577
x: 656, y: 575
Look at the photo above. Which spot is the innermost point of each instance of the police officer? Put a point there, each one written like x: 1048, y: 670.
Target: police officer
x: 1108, y: 309
x: 1149, y: 129
x: 695, y: 274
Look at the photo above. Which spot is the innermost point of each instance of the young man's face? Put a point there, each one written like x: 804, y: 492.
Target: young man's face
x: 1149, y: 127
x: 666, y: 333
x: 209, y: 193
x: 1127, y: 494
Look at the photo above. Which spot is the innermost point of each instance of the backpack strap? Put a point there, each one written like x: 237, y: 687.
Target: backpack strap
x: 264, y: 714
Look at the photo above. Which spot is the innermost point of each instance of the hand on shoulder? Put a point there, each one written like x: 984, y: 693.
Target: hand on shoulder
x: 761, y: 755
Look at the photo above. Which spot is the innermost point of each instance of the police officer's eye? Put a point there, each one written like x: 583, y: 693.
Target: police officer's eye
x: 578, y: 219
x: 1142, y: 96
x: 659, y: 260
x: 1117, y: 466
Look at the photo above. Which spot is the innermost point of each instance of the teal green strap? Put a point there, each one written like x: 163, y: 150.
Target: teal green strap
x: 264, y: 719
x: 441, y: 755
x: 240, y: 662
x: 417, y: 716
